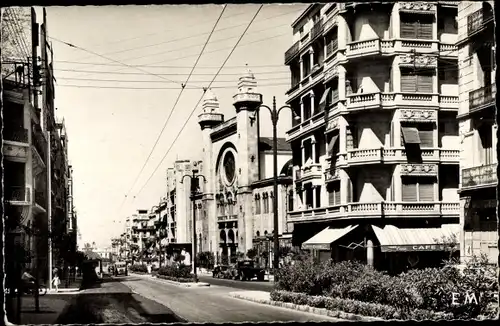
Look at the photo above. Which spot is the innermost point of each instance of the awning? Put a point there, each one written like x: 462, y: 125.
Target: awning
x: 324, y: 100
x: 410, y: 135
x: 331, y: 144
x: 393, y: 239
x: 325, y: 238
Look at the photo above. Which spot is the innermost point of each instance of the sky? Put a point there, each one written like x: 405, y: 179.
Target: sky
x: 114, y: 112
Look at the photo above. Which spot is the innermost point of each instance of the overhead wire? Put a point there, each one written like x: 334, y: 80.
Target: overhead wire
x: 176, y: 74
x: 23, y: 37
x: 110, y: 59
x: 175, y: 104
x: 201, y: 97
x: 15, y: 35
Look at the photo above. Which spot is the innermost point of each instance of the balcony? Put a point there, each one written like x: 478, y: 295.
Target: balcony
x: 479, y: 177
x: 292, y: 52
x: 482, y: 98
x: 363, y: 48
x: 19, y: 135
x: 227, y: 218
x: 17, y: 194
x: 478, y: 21
x: 364, y: 101
x: 362, y: 156
x: 377, y: 210
x: 307, y: 126
x: 40, y: 198
x: 317, y: 30
x: 448, y: 50
x: 448, y: 102
x: 311, y: 172
x: 40, y: 145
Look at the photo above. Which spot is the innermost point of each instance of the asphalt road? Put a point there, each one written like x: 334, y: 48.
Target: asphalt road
x: 112, y: 302
x: 236, y: 284
x: 212, y: 304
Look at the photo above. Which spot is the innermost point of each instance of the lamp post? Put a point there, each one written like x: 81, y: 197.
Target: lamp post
x: 193, y: 177
x: 274, y: 119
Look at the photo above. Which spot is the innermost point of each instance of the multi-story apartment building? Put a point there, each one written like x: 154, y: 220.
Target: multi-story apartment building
x: 376, y: 153
x: 478, y: 129
x: 140, y: 232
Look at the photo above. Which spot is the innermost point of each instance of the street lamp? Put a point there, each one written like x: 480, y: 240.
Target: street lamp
x: 274, y: 119
x: 193, y: 192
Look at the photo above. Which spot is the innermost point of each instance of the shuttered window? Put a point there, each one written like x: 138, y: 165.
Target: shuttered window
x: 418, y: 189
x: 409, y: 189
x: 414, y: 26
x: 426, y: 134
x: 334, y: 193
x: 416, y: 81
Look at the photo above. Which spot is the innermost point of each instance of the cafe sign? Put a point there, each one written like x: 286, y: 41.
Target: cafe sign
x: 407, y: 248
x: 317, y: 246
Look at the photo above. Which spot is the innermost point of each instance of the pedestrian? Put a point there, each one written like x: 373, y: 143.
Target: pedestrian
x: 56, y: 281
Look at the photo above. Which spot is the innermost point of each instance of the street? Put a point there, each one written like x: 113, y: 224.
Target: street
x: 211, y: 304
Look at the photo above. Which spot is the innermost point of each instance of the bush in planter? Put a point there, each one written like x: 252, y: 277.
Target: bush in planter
x: 140, y: 268
x: 180, y: 271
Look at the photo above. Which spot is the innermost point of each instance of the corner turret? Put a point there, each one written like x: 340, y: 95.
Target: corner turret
x: 210, y: 115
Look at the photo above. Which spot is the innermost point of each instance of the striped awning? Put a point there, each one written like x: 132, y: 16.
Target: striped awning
x: 393, y: 239
x: 325, y: 238
x: 410, y: 135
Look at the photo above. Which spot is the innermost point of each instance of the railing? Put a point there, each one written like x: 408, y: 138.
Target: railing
x: 377, y: 209
x: 40, y: 145
x: 362, y: 155
x: 17, y: 193
x: 447, y: 101
x: 292, y: 52
x: 20, y: 135
x: 451, y: 48
x: 482, y: 96
x: 358, y: 101
x: 362, y: 47
x: 40, y: 198
x: 416, y: 44
x: 477, y: 21
x: 449, y: 154
x: 313, y: 170
x: 478, y: 176
x: 317, y: 29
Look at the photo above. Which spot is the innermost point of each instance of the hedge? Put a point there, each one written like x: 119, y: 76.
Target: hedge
x: 175, y: 279
x: 358, y: 307
x: 429, y: 289
x: 176, y: 272
x: 139, y: 268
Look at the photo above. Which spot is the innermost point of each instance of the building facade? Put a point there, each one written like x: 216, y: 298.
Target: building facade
x: 38, y: 178
x: 376, y: 153
x: 235, y: 205
x: 478, y: 129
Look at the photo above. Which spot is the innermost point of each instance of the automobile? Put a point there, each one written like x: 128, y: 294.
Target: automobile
x: 120, y: 268
x: 111, y: 269
x: 246, y: 270
x: 219, y: 270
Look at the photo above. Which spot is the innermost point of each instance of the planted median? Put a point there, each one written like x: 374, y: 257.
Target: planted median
x: 426, y: 294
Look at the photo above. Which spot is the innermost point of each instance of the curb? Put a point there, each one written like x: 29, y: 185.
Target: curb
x: 185, y: 285
x: 309, y: 309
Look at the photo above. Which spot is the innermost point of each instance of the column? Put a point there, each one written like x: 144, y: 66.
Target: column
x: 313, y: 150
x: 311, y: 56
x: 395, y: 24
x: 313, y: 106
x: 344, y: 179
x: 342, y: 32
x: 314, y: 196
x: 396, y: 74
x: 396, y: 132
x: 301, y: 66
x: 301, y: 110
x: 341, y: 82
x: 398, y: 191
x: 342, y: 135
x: 302, y: 148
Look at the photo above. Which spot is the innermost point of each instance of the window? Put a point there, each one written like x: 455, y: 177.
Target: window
x: 448, y: 74
x: 290, y: 201
x: 257, y: 204
x: 414, y: 26
x: 417, y: 134
x: 418, y: 189
x: 486, y: 144
x: 265, y: 203
x: 418, y: 80
x: 333, y: 190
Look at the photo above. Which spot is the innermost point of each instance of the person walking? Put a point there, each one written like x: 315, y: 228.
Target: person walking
x: 56, y: 281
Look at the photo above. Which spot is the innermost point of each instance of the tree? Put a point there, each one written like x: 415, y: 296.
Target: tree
x: 252, y: 253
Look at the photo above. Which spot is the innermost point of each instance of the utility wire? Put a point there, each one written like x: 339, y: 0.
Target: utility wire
x: 18, y: 23
x: 173, y: 108
x: 176, y: 74
x: 151, y: 66
x: 15, y: 35
x: 201, y: 97
x: 156, y: 88
x: 156, y: 81
x: 110, y: 59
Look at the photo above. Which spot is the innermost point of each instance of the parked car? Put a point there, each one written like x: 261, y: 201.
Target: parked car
x: 247, y: 270
x: 120, y: 268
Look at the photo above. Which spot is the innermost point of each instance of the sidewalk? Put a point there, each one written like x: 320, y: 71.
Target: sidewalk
x: 51, y: 307
x: 71, y: 286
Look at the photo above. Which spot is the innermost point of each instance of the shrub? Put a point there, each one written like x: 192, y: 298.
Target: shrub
x: 357, y: 307
x: 176, y: 271
x: 175, y: 279
x: 140, y: 268
x: 205, y: 259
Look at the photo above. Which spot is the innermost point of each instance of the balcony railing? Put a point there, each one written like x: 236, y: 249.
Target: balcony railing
x: 40, y: 145
x: 482, y: 97
x: 292, y: 52
x: 377, y: 209
x: 40, y: 198
x: 312, y: 171
x: 480, y: 176
x: 359, y: 48
x: 317, y: 29
x: 448, y: 102
x: 478, y: 20
x: 17, y: 193
x: 19, y: 135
